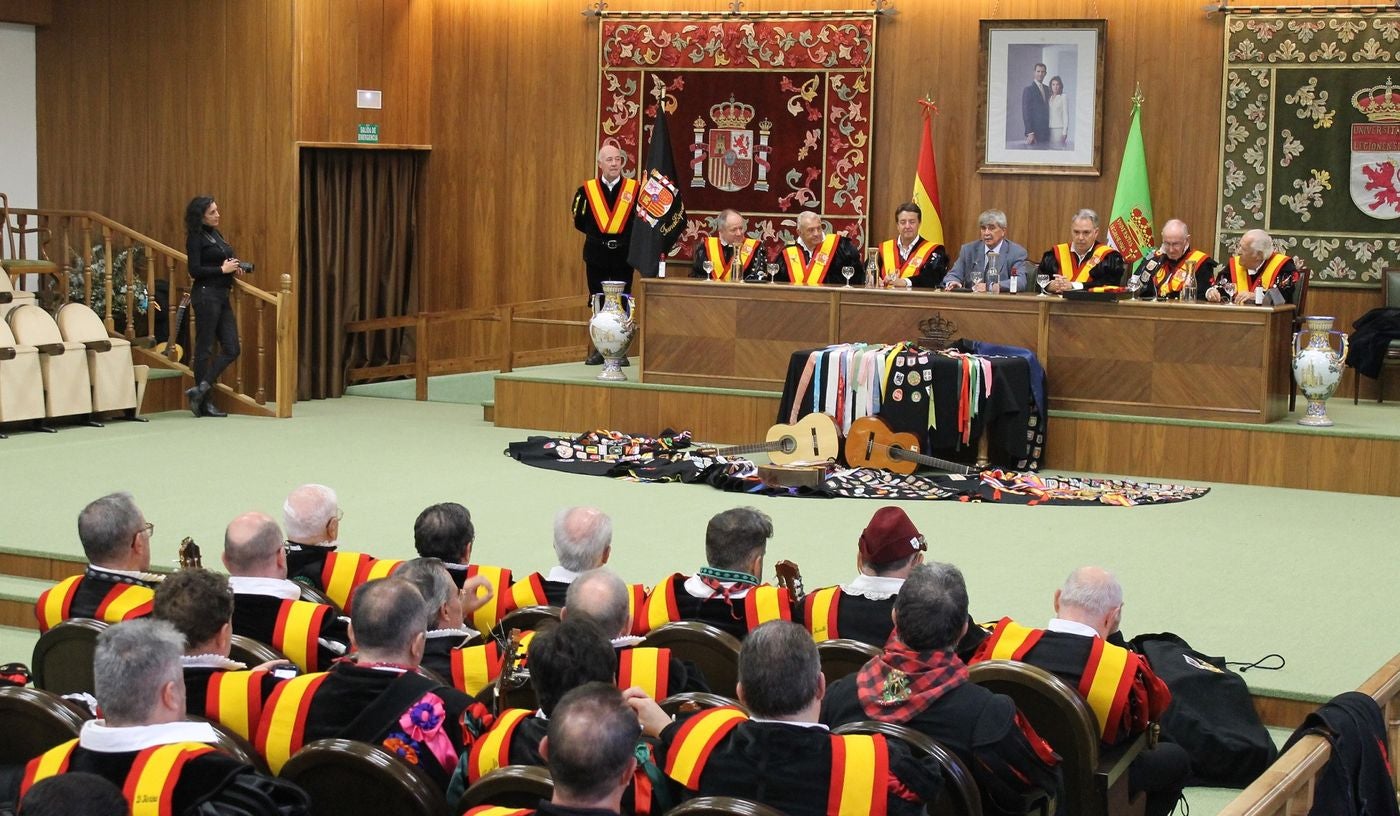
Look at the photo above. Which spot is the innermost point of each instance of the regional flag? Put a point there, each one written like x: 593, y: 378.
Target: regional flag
x: 926, y: 181
x: 1130, y: 222
x: 659, y: 204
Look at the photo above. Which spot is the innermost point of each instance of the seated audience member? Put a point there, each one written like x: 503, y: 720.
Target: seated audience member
x: 1083, y: 263
x: 199, y: 604
x: 727, y: 592
x: 920, y: 682
x: 1168, y: 277
x: 582, y: 541
x: 268, y: 607
x: 380, y: 699
x: 591, y: 750
x: 145, y: 746
x: 116, y: 585
x: 1075, y: 646
x: 783, y: 756
x: 890, y: 546
x: 312, y: 517
x: 560, y: 658
x: 445, y: 531
x: 909, y: 258
x: 816, y: 258
x: 718, y: 249
x: 993, y: 253
x: 446, y: 614
x: 1256, y: 265
x: 77, y: 792
x: 601, y: 598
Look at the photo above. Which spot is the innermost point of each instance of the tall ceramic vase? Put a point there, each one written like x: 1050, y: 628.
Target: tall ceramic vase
x: 612, y: 327
x: 1317, y: 368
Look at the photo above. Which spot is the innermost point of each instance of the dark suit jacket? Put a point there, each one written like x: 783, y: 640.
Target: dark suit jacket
x: 1035, y: 112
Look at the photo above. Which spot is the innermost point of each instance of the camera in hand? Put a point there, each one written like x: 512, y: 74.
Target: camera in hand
x: 246, y: 266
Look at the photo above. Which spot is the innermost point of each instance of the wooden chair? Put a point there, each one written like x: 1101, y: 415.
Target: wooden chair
x: 529, y: 618
x: 62, y: 661
x: 510, y: 786
x: 674, y: 704
x: 843, y: 656
x: 231, y: 743
x: 723, y: 806
x: 35, y: 721
x: 716, y: 652
x: 1300, y: 304
x: 14, y: 249
x: 1096, y: 778
x: 1392, y: 352
x: 960, y: 796
x: 311, y: 593
x: 346, y: 778
x: 252, y: 652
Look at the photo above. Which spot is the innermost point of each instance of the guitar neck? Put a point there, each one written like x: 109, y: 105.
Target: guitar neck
x: 761, y: 447
x: 931, y: 461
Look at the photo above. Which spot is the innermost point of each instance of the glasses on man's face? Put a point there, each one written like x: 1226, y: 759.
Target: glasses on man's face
x: 149, y: 528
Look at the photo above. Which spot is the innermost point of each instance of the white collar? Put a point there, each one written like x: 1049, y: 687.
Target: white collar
x: 273, y: 587
x: 451, y: 565
x: 464, y: 632
x: 905, y: 250
x: 211, y: 661
x: 816, y: 725
x: 874, y: 587
x: 697, y: 588
x: 986, y: 250
x: 1069, y: 627
x: 145, y: 577
x: 626, y: 641
x: 98, y: 736
x: 559, y: 575
x: 611, y: 184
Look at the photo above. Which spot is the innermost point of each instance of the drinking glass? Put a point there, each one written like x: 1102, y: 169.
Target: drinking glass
x: 772, y: 271
x: 709, y: 268
x: 1229, y: 287
x: 1133, y: 286
x: 848, y: 272
x: 1042, y: 281
x: 979, y: 277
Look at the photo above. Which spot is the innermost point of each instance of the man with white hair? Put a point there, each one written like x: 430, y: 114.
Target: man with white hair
x: 1120, y: 688
x: 1256, y: 266
x: 996, y: 256
x: 816, y: 258
x: 1084, y: 262
x: 719, y: 249
x: 145, y: 746
x: 311, y: 515
x: 1167, y: 269
x: 116, y: 586
x: 582, y: 542
x: 603, y: 213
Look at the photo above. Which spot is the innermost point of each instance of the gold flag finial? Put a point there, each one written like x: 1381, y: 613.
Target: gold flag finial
x: 928, y: 106
x: 1137, y: 95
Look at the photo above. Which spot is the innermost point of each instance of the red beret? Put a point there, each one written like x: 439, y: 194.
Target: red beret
x: 890, y: 536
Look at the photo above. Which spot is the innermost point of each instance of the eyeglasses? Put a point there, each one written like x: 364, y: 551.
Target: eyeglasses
x: 149, y: 528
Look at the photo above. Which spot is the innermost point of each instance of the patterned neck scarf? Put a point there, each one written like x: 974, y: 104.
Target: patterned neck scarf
x: 901, y: 683
x: 716, y: 579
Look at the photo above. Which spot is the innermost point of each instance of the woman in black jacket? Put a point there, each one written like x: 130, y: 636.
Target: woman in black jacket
x: 213, y: 265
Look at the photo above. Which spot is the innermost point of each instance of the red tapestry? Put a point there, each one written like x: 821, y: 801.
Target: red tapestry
x: 768, y: 116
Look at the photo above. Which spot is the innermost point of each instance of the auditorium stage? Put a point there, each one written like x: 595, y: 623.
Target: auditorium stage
x: 1360, y: 454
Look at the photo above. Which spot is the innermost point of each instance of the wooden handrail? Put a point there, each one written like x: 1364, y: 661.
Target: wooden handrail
x: 1286, y: 788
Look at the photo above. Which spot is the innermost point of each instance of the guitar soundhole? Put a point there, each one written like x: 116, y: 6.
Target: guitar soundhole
x: 787, y: 444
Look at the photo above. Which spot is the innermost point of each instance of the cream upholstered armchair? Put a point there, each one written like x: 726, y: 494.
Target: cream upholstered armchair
x: 9, y: 298
x: 117, y: 383
x: 67, y: 388
x: 21, y: 381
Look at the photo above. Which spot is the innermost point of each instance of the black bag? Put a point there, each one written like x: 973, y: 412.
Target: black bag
x: 1211, y: 714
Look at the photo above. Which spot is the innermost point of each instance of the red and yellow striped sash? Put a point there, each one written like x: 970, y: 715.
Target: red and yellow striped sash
x: 476, y: 667
x: 610, y: 221
x: 820, y: 608
x: 283, y: 727
x: 297, y: 630
x: 486, y: 615
x: 52, y: 607
x: 766, y: 603
x: 696, y: 740
x: 889, y: 255
x: 492, y: 749
x: 150, y: 784
x: 1168, y: 281
x: 860, y: 769
x: 340, y: 575
x: 234, y: 700
x: 497, y: 810
x: 122, y: 602
x: 1267, y: 276
x: 1107, y: 679
x: 529, y: 592
x: 636, y: 602
x: 50, y: 763
x: 715, y: 253
x: 813, y: 272
x: 1009, y: 641
x: 646, y: 667
x: 1079, y: 272
x: 660, y: 608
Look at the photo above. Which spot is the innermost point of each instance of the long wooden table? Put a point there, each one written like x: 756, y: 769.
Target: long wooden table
x: 1206, y: 360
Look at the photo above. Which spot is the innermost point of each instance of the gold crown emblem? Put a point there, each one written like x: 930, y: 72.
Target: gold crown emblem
x: 936, y: 330
x: 732, y: 114
x: 1380, y: 103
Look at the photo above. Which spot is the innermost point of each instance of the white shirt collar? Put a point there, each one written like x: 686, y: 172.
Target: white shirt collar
x: 98, y: 736
x: 274, y: 587
x: 905, y: 250
x: 211, y: 661
x: 816, y: 725
x: 611, y: 184
x: 464, y: 632
x: 874, y: 587
x: 626, y: 641
x: 559, y: 575
x: 698, y: 589
x: 1070, y: 627
x: 986, y: 250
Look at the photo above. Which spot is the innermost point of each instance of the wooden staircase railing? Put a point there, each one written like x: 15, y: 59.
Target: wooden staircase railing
x: 84, y: 244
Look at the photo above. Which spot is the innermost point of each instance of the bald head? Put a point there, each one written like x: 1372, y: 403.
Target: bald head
x: 600, y: 596
x: 1091, y: 596
x: 253, y: 547
x: 1176, y: 238
x: 610, y: 161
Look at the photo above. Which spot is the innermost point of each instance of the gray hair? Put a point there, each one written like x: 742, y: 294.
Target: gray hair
x: 1086, y: 215
x: 599, y: 596
x: 931, y: 607
x: 107, y: 524
x: 1093, y: 589
x: 735, y: 535
x: 1259, y: 241
x: 779, y: 669
x: 132, y: 662
x: 581, y: 535
x: 308, y: 510
x: 807, y: 215
x: 430, y: 577
x: 251, y: 542
x: 388, y: 615
x: 995, y: 218
x: 724, y: 216
x: 1176, y: 222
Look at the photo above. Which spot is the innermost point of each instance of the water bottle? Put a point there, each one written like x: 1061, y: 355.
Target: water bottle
x: 872, y: 274
x: 1259, y: 296
x: 1188, y: 287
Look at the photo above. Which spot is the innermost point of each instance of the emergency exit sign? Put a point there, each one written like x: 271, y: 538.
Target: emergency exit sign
x: 368, y: 133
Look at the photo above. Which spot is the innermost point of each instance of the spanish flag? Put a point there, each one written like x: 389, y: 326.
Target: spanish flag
x: 926, y: 180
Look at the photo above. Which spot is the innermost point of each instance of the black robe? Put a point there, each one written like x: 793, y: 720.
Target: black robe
x: 255, y: 616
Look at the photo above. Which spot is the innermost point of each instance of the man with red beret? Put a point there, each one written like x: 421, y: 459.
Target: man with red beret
x: 890, y: 546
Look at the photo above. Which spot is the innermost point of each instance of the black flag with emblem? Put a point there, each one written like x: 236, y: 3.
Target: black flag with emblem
x: 659, y: 204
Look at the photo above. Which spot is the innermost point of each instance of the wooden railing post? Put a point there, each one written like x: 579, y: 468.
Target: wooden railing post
x: 107, y: 279
x: 129, y: 278
x: 260, y: 393
x: 151, y: 293
x: 420, y: 359
x: 238, y: 319
x: 507, y: 335
x: 67, y: 258
x: 286, y: 391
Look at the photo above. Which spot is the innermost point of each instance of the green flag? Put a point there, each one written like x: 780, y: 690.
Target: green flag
x: 1130, y: 228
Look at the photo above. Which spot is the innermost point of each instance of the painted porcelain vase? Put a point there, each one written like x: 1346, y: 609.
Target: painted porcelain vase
x: 612, y: 327
x: 1317, y: 368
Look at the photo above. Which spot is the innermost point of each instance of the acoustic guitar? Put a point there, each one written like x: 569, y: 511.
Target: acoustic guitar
x: 190, y: 556
x: 790, y: 578
x: 170, y: 349
x: 871, y: 443
x: 813, y: 439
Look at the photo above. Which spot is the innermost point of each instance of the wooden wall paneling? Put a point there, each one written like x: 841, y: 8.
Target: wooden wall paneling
x: 26, y: 12
x: 311, y: 20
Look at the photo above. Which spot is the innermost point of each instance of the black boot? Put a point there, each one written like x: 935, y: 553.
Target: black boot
x: 196, y: 396
x: 594, y: 358
x: 210, y: 410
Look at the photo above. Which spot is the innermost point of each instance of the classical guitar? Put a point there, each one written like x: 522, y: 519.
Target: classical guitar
x: 790, y: 578
x: 190, y: 557
x: 171, y: 349
x: 813, y: 439
x: 871, y: 443
x: 514, y: 674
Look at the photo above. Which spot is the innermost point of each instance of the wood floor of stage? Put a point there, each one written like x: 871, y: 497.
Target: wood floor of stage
x: 1281, y: 454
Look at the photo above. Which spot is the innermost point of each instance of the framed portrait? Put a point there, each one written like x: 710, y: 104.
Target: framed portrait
x: 1040, y: 96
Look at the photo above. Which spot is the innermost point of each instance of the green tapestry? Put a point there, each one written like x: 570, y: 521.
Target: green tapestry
x: 1310, y: 141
